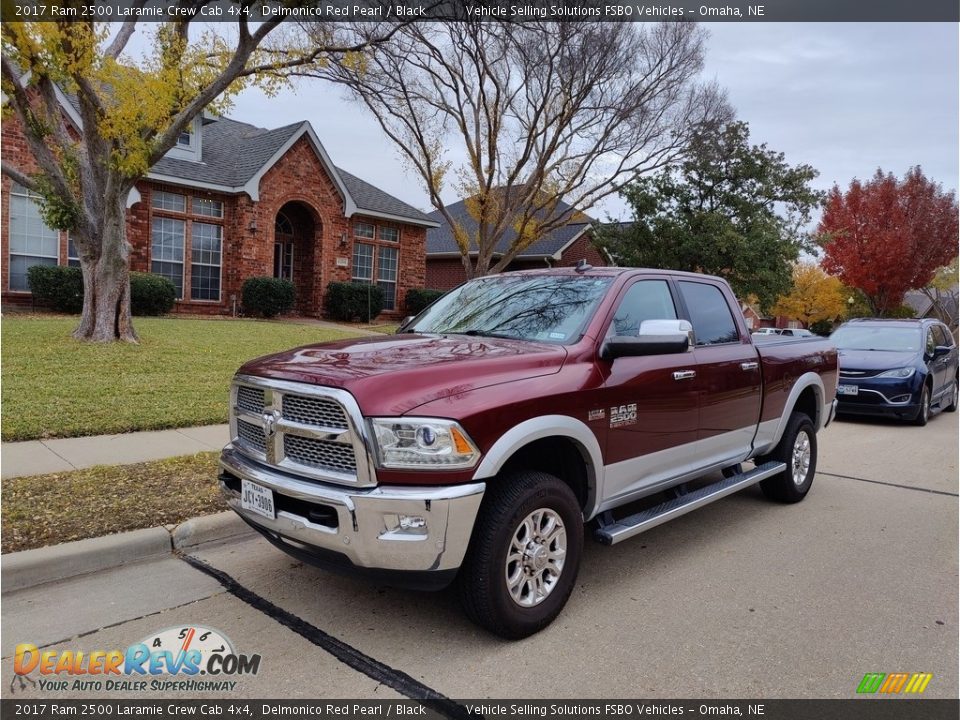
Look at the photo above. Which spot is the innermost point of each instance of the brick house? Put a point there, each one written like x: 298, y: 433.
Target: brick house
x: 229, y: 202
x: 562, y: 247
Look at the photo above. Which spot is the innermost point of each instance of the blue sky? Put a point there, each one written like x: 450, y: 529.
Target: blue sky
x: 846, y: 98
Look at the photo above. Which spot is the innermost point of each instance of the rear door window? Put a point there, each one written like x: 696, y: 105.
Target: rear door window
x: 713, y: 323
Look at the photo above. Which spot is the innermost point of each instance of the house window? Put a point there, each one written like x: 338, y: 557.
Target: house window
x: 73, y: 255
x: 185, y: 139
x: 387, y: 276
x: 389, y: 234
x: 363, y: 230
x: 166, y: 250
x: 207, y: 207
x: 32, y: 242
x: 205, y: 243
x: 362, y: 262
x: 169, y: 201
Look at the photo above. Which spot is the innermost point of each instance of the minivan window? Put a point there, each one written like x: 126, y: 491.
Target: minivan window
x: 878, y: 337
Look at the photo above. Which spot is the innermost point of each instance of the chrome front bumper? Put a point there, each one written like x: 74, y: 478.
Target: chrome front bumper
x: 406, y: 529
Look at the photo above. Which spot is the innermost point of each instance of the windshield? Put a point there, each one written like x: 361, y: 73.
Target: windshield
x: 544, y: 308
x: 877, y: 337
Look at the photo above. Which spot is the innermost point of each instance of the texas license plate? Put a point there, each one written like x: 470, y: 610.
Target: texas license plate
x: 257, y: 498
x: 847, y: 389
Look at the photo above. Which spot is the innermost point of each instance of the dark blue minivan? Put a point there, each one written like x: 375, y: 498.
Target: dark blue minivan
x: 900, y: 368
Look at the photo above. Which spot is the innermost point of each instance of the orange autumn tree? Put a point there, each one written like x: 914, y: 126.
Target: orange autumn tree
x: 815, y: 296
x: 887, y: 236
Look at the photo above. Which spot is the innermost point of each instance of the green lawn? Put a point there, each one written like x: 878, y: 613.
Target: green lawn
x: 179, y: 374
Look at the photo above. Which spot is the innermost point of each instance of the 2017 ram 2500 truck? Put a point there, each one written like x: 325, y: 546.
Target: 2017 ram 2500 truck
x: 477, y: 442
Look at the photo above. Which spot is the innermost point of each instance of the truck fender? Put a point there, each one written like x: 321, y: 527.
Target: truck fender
x: 538, y: 428
x: 770, y: 431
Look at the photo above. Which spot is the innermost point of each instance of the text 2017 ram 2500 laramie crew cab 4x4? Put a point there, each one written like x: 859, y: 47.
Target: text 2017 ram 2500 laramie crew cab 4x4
x: 477, y: 442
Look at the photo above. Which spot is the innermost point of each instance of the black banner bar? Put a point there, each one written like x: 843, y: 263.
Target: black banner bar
x: 510, y: 10
x: 852, y: 709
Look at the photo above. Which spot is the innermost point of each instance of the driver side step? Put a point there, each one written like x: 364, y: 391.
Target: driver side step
x: 612, y: 533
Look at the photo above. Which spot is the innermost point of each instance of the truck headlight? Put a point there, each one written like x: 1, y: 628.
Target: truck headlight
x: 423, y: 443
x: 902, y: 373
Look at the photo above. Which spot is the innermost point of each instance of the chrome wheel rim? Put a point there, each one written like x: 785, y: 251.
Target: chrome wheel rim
x: 801, y: 458
x: 956, y: 394
x: 538, y: 550
x: 925, y: 401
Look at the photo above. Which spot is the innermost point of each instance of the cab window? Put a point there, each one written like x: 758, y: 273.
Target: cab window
x: 645, y: 300
x: 709, y: 313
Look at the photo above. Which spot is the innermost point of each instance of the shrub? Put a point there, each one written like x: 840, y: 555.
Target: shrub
x: 151, y: 294
x: 350, y: 301
x: 268, y: 296
x: 56, y: 286
x: 418, y: 298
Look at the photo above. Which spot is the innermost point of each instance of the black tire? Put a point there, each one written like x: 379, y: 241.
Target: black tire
x: 952, y: 407
x: 783, y: 487
x: 923, y: 413
x: 501, y: 525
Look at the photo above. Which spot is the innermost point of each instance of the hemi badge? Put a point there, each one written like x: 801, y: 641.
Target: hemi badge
x: 596, y: 414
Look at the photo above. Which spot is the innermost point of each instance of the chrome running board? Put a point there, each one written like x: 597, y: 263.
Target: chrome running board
x: 612, y: 533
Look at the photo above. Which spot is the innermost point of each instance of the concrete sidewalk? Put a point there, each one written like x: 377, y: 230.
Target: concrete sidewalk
x: 37, y: 457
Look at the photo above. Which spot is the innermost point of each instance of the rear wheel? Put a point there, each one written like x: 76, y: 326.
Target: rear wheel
x: 798, y: 450
x: 923, y: 413
x: 524, y: 555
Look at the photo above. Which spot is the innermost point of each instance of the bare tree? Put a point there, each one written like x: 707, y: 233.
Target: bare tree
x: 132, y: 110
x: 547, y: 117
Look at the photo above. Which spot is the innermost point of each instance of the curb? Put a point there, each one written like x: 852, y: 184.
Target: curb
x: 28, y: 568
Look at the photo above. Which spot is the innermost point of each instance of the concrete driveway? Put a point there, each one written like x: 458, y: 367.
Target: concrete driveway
x: 744, y: 598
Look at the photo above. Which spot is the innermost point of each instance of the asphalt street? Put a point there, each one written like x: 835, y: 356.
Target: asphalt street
x: 743, y: 598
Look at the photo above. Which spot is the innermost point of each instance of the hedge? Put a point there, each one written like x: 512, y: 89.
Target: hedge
x: 419, y: 298
x: 267, y: 296
x: 353, y: 301
x: 57, y: 286
x: 151, y: 294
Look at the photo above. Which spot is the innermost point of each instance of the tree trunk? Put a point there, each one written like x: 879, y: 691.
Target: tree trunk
x: 105, y: 263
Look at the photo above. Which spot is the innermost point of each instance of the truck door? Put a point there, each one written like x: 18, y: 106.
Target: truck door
x: 649, y: 403
x: 728, y: 370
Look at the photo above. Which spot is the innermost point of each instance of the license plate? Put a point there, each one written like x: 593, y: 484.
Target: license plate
x: 257, y: 498
x: 847, y: 389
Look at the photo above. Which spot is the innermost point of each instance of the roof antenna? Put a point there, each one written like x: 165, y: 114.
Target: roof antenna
x: 583, y: 266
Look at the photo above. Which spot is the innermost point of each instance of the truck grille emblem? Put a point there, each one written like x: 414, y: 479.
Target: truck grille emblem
x: 270, y: 423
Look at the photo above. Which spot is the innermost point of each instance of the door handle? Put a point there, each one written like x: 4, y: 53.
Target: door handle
x: 684, y: 374
x: 749, y: 365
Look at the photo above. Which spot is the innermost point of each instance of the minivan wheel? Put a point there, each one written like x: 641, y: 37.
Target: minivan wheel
x: 923, y: 413
x: 954, y: 396
x: 524, y: 555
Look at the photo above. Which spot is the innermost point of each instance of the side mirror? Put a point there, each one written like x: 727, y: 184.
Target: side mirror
x: 656, y: 337
x: 403, y: 324
x: 940, y: 350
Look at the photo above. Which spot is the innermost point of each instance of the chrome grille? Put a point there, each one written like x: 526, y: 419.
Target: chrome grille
x: 314, y: 411
x: 250, y: 399
x: 315, y: 432
x: 859, y: 373
x: 252, y: 436
x: 320, y: 453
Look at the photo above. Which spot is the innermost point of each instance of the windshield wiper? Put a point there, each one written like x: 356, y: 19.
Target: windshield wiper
x: 482, y: 333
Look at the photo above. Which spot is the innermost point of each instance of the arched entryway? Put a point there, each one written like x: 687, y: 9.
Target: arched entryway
x: 296, y: 243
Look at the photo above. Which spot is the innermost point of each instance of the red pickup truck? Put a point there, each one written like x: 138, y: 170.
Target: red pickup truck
x: 477, y: 443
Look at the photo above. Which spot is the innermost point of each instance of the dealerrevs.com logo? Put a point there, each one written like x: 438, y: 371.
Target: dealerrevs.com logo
x: 170, y: 660
x: 894, y: 683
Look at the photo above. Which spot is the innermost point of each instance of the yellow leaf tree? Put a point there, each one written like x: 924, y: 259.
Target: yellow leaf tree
x: 815, y: 296
x: 130, y: 110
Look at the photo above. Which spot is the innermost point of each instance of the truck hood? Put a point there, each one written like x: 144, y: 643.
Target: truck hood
x: 393, y: 374
x: 875, y: 359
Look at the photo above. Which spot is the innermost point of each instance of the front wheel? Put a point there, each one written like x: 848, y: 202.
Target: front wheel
x: 923, y: 413
x: 524, y: 555
x: 798, y: 450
